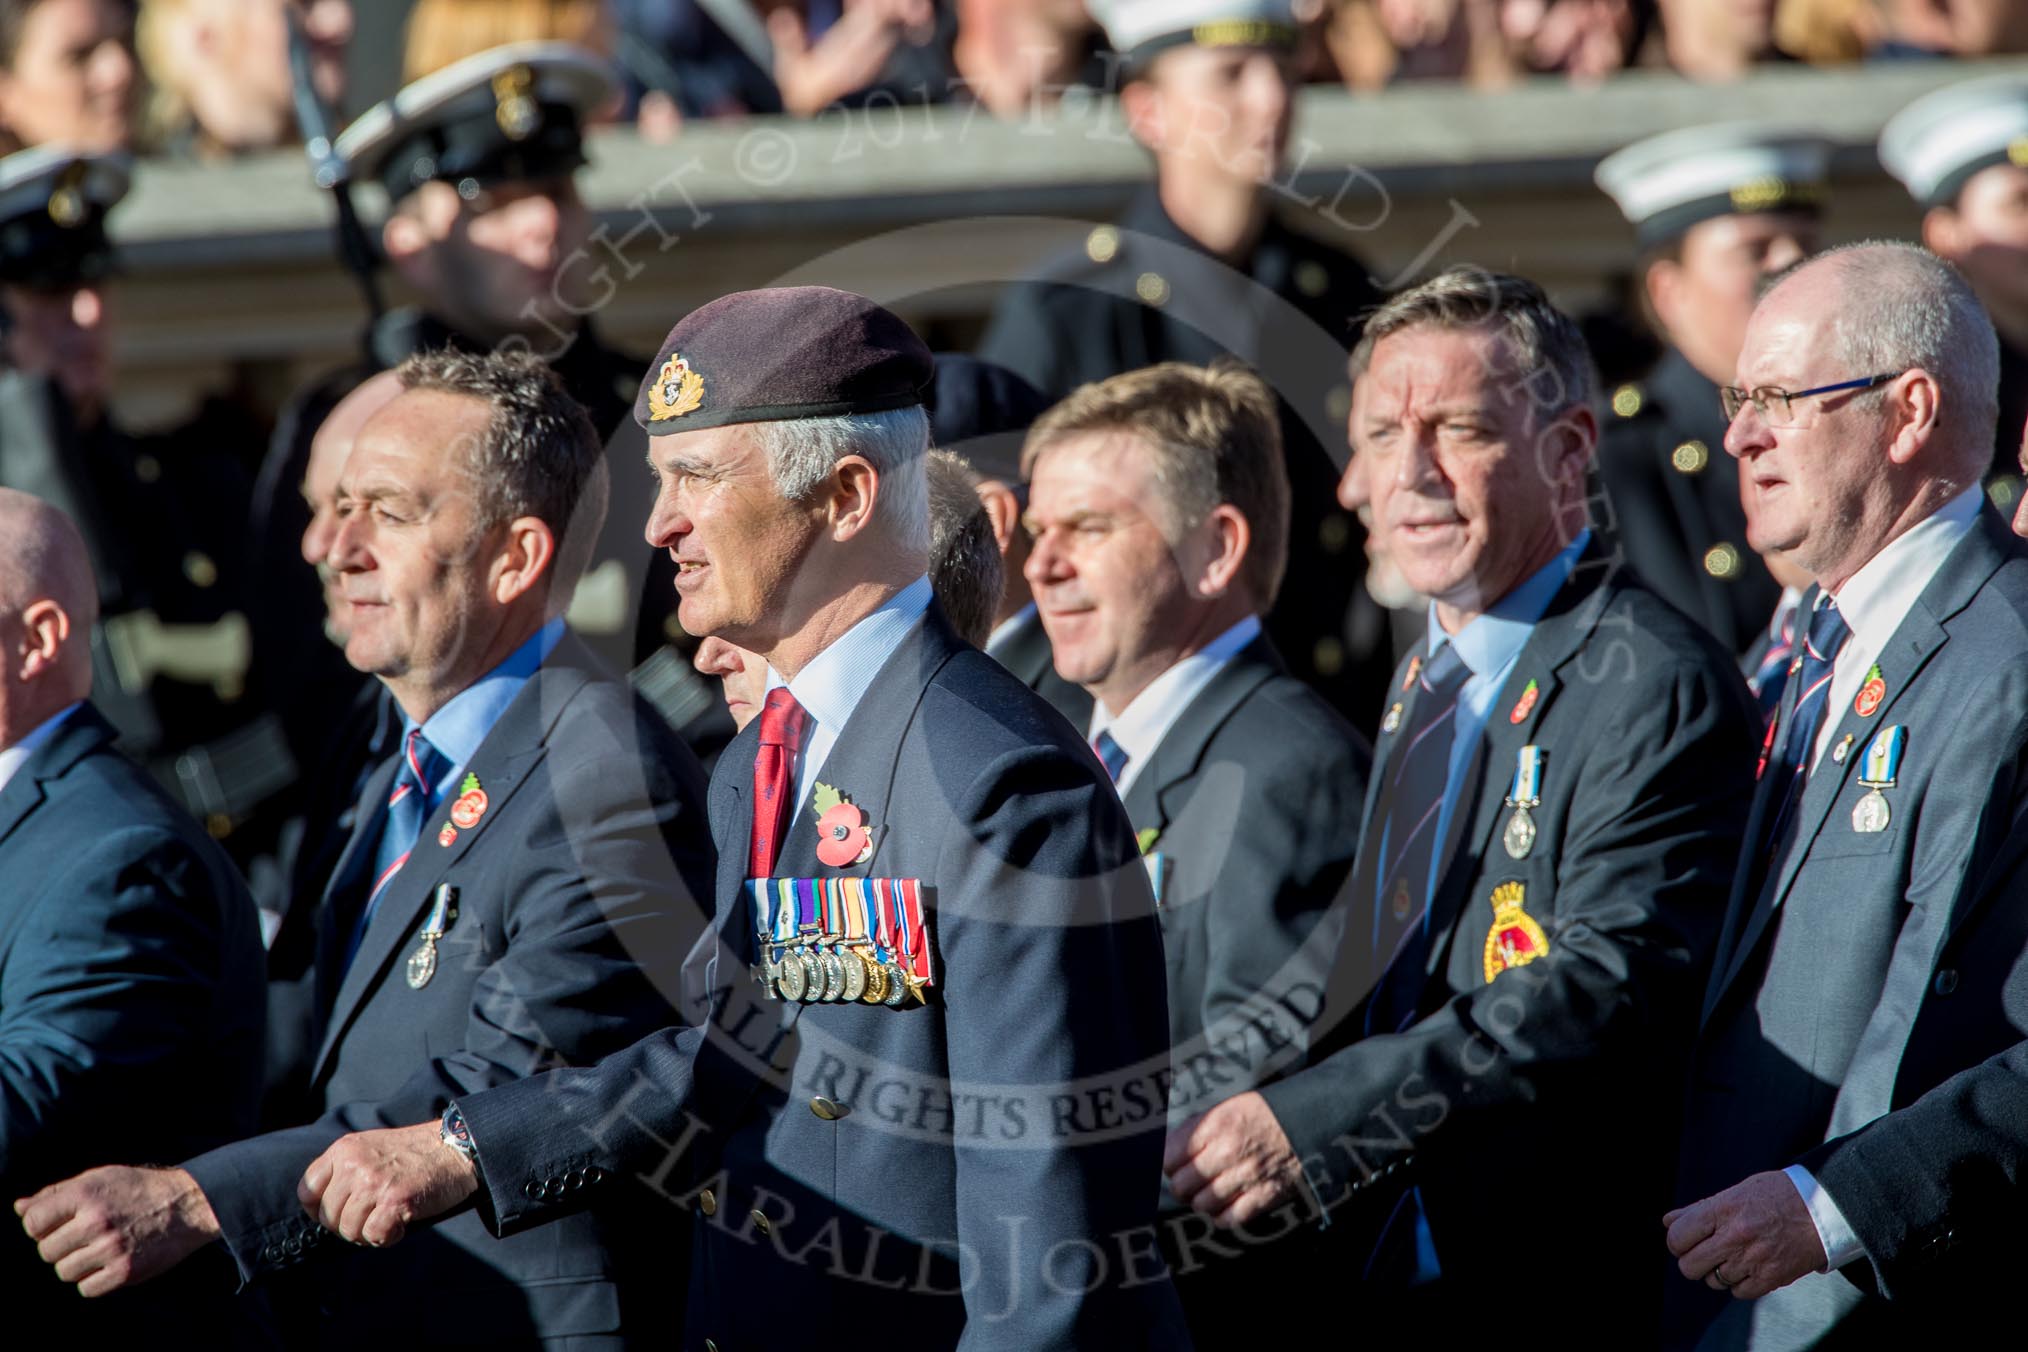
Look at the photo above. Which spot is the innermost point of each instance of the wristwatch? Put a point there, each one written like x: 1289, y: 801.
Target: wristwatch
x: 458, y: 1136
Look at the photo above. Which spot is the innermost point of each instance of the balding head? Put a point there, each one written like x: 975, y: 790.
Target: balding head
x: 328, y: 450
x: 48, y: 604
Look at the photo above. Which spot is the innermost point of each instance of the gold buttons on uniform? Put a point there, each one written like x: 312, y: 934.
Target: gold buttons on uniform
x: 707, y: 1202
x: 147, y: 468
x: 1338, y: 403
x: 1101, y: 244
x: 1328, y: 656
x: 1152, y: 289
x: 1690, y: 457
x: 1312, y: 279
x: 1627, y: 400
x: 1334, y: 532
x: 761, y: 1223
x: 1722, y: 562
x: 826, y: 1109
x: 199, y: 568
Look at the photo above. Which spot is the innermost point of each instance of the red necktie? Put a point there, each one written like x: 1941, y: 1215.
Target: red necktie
x: 783, y: 725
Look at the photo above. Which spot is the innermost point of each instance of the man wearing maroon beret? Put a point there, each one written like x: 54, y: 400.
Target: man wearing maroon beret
x: 926, y: 1106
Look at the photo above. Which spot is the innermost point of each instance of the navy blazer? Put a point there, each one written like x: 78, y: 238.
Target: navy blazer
x: 1532, y: 1107
x: 981, y: 1169
x: 131, y: 1006
x: 575, y: 897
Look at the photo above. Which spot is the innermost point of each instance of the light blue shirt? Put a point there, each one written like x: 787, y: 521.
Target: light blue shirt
x: 1490, y: 646
x: 16, y: 756
x: 467, y: 719
x: 836, y: 679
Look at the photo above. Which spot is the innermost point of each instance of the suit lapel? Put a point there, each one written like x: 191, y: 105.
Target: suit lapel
x: 78, y: 736
x: 504, y: 761
x: 1510, y: 725
x: 1921, y: 634
x: 1182, y: 747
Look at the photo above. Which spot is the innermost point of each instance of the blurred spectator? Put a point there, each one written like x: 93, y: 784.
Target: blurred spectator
x: 826, y: 51
x: 1586, y: 40
x: 221, y: 70
x: 68, y: 74
x: 442, y: 32
x: 1011, y: 54
x: 964, y: 563
x: 1919, y: 28
x: 1484, y: 42
x: 680, y: 63
x: 1826, y: 32
x: 1719, y: 39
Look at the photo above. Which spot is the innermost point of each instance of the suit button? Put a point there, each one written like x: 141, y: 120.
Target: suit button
x: 532, y: 1190
x: 1722, y: 562
x: 760, y: 1222
x: 1691, y: 457
x: 594, y: 1174
x: 270, y: 1254
x: 707, y: 1202
x: 1947, y: 981
x: 826, y: 1109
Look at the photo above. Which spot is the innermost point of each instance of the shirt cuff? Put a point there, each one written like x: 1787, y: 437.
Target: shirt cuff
x: 1841, y: 1246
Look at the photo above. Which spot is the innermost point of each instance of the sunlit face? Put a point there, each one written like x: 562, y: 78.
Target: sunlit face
x: 1986, y: 236
x: 1229, y: 108
x: 1108, y: 581
x: 74, y: 80
x: 737, y: 544
x: 1384, y: 582
x: 411, y: 561
x: 500, y: 257
x: 62, y: 335
x: 1468, y: 493
x: 1706, y: 296
x: 1805, y: 488
x: 320, y: 495
x: 742, y: 676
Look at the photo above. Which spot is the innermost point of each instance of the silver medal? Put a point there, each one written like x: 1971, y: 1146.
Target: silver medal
x: 1871, y: 814
x: 422, y: 964
x: 1519, y: 837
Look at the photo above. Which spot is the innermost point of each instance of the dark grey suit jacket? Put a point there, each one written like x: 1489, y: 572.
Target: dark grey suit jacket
x: 1532, y: 1109
x: 1252, y: 798
x: 577, y: 898
x: 1829, y: 1002
x: 979, y: 1160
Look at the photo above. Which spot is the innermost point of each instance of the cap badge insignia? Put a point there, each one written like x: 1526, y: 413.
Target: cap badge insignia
x: 515, y: 108
x: 677, y: 390
x: 843, y: 836
x: 67, y: 199
x: 1515, y: 940
x: 2017, y: 151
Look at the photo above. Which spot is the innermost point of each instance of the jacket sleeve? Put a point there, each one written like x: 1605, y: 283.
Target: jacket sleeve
x: 1652, y: 839
x: 115, y: 969
x: 595, y: 930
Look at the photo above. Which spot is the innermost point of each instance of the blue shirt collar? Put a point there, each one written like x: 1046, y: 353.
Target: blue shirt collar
x: 1495, y: 638
x: 457, y: 729
x: 836, y: 679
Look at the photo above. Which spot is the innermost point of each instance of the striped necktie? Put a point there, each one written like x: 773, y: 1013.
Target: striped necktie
x: 1811, y: 675
x: 1111, y: 754
x: 1409, y: 812
x: 419, y: 768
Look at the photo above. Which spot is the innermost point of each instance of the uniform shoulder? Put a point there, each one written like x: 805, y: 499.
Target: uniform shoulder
x: 977, y: 704
x: 1651, y: 627
x: 1290, y: 720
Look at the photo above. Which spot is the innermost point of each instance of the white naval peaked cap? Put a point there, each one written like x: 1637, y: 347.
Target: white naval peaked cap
x: 1141, y: 29
x: 1938, y: 142
x: 1668, y: 183
x: 513, y: 113
x: 53, y: 205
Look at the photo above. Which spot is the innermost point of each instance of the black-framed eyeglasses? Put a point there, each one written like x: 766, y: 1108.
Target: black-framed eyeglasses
x: 1775, y: 403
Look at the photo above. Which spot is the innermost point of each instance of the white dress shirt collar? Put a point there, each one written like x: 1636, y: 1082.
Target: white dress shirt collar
x: 1877, y: 598
x: 1140, y: 727
x: 831, y: 686
x: 14, y: 757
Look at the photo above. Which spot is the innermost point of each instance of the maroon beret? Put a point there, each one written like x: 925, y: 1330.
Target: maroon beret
x: 782, y: 353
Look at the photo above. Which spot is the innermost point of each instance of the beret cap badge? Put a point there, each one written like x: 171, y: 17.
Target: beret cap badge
x: 677, y: 390
x: 516, y: 110
x: 67, y: 200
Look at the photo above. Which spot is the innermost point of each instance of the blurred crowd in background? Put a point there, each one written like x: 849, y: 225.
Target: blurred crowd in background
x: 210, y: 78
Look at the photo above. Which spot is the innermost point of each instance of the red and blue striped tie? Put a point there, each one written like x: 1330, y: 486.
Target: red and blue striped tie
x: 408, y: 804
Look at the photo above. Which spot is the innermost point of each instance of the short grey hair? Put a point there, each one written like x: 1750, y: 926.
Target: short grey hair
x: 965, y: 569
x: 539, y: 455
x: 1544, y: 344
x: 1901, y: 307
x: 802, y: 451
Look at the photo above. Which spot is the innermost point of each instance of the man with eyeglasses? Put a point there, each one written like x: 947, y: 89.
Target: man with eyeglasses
x: 1863, y: 958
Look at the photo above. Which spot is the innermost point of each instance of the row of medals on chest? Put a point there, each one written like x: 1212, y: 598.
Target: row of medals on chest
x: 836, y: 974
